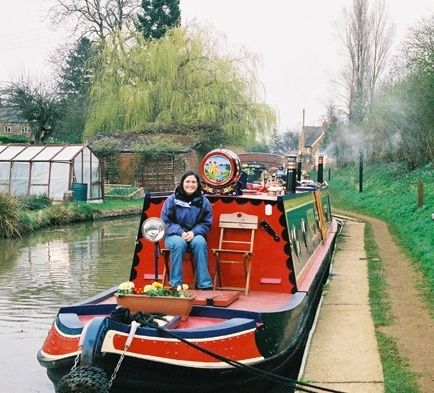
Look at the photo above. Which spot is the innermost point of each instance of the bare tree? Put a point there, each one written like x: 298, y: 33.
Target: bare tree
x: 367, y: 38
x: 95, y: 18
x: 357, y: 40
x: 381, y: 34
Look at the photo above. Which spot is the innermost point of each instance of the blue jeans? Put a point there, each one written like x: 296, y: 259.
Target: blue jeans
x: 178, y: 247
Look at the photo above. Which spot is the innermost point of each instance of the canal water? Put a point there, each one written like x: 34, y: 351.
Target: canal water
x: 48, y: 269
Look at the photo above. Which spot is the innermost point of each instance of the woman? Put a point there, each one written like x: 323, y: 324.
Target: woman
x: 188, y: 217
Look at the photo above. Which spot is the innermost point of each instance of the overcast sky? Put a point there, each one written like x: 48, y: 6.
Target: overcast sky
x: 296, y: 40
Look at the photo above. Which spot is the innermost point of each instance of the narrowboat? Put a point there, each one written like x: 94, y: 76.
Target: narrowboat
x: 269, y: 256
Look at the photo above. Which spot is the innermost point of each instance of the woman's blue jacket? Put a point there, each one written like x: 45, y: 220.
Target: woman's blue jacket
x: 180, y: 216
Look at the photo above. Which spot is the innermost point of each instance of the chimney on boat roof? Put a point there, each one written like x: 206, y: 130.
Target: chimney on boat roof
x: 299, y: 164
x: 320, y: 175
x: 291, y: 169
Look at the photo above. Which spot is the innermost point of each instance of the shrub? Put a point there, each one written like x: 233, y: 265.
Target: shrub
x: 14, y: 139
x: 10, y: 216
x: 36, y: 202
x: 65, y: 213
x: 61, y: 214
x: 84, y: 211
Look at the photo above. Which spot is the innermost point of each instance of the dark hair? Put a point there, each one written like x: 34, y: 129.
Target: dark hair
x: 184, y: 176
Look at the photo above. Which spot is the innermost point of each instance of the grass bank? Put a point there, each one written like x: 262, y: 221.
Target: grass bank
x: 20, y: 216
x: 390, y: 193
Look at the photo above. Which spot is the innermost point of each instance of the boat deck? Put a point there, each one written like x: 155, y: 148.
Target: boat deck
x: 255, y: 301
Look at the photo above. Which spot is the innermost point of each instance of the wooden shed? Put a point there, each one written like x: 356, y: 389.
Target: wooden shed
x: 154, y: 161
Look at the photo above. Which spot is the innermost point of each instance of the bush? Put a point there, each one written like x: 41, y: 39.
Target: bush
x: 14, y: 139
x: 65, y: 213
x: 61, y: 214
x: 10, y: 216
x: 36, y: 202
x: 84, y: 211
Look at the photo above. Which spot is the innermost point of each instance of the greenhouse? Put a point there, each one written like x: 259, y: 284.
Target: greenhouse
x: 55, y: 170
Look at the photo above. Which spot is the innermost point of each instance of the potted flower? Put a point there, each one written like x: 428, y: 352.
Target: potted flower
x: 155, y: 298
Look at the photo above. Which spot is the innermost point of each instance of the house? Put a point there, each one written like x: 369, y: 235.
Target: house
x: 11, y: 122
x: 310, y: 141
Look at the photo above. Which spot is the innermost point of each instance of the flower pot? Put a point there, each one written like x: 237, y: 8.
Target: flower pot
x: 169, y: 305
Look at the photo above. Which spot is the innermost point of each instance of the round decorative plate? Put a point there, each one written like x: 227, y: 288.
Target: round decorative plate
x: 221, y: 167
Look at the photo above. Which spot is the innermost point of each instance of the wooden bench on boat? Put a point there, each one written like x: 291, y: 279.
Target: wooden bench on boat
x: 237, y: 235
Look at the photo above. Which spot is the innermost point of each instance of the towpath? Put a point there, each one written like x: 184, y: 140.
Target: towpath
x: 412, y: 329
x: 343, y: 353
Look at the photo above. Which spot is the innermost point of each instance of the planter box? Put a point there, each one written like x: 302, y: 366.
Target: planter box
x: 169, y: 305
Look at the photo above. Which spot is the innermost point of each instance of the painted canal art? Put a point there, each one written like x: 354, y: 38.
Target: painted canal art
x: 217, y: 169
x: 221, y: 170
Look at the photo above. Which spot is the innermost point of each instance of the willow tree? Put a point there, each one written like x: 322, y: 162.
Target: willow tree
x: 183, y: 83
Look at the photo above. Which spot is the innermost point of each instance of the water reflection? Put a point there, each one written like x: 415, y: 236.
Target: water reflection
x: 48, y: 269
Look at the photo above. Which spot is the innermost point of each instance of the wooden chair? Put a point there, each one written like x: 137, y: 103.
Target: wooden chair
x: 237, y: 235
x: 165, y: 252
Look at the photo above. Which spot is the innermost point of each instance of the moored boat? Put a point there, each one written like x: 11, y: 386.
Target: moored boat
x: 269, y: 255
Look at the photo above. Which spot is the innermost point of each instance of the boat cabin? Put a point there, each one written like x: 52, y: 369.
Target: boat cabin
x: 259, y: 241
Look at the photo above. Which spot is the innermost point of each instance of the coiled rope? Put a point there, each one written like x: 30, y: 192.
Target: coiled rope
x: 84, y: 379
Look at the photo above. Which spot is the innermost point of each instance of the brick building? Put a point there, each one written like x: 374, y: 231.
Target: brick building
x: 11, y: 123
x: 310, y: 141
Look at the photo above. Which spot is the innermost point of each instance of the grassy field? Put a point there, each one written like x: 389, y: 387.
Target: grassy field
x: 390, y: 193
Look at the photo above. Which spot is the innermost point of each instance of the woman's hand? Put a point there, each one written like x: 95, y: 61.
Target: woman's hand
x: 188, y: 236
